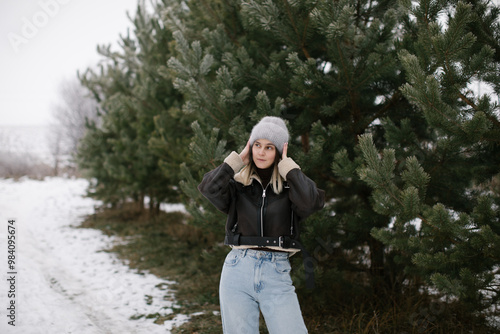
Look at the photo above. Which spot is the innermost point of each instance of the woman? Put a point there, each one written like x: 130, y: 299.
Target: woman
x: 265, y: 195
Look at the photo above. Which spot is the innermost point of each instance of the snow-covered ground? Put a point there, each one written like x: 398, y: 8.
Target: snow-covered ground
x: 65, y: 282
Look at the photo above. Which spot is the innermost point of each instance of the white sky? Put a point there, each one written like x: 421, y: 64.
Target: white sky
x: 44, y: 42
x: 34, y: 62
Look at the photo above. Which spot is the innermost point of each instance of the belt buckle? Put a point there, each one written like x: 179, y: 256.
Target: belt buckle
x: 280, y: 241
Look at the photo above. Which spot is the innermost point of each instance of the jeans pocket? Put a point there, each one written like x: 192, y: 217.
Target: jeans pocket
x: 232, y: 258
x: 282, y: 266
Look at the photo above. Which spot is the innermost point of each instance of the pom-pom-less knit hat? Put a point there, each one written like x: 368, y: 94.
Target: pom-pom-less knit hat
x: 271, y: 128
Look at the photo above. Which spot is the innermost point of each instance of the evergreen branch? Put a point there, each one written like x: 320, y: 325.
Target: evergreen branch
x: 493, y: 289
x: 229, y: 32
x: 372, y: 174
x: 458, y: 125
x: 475, y: 107
x: 394, y: 98
x: 302, y: 38
x: 210, y: 10
x: 344, y: 66
x: 330, y: 178
x: 212, y: 98
x: 468, y: 101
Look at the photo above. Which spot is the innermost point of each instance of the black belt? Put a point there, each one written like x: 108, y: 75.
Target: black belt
x: 283, y: 242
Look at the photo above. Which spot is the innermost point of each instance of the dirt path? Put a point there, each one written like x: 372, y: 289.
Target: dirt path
x: 64, y: 281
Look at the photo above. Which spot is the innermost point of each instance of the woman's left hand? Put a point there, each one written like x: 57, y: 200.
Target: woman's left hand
x: 245, y: 154
x: 285, y: 151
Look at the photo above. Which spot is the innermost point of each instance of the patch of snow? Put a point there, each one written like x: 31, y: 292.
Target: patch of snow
x: 66, y: 282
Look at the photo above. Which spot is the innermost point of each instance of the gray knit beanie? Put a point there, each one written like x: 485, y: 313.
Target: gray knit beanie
x: 271, y: 128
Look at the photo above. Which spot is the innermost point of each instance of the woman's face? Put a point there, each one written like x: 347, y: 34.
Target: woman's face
x: 263, y: 153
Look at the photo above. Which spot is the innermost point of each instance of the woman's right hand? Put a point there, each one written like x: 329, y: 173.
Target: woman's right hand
x: 245, y: 154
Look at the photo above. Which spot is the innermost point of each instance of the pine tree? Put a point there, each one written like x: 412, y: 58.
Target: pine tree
x: 439, y: 189
x: 335, y: 70
x: 138, y: 105
x: 100, y: 154
x: 329, y: 68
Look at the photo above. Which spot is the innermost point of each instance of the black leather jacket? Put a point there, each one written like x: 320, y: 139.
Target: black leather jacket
x: 254, y: 211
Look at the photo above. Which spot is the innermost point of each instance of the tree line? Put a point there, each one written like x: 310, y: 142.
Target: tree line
x: 392, y: 108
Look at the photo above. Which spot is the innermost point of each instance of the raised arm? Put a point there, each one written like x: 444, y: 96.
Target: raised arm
x: 218, y: 184
x: 304, y: 194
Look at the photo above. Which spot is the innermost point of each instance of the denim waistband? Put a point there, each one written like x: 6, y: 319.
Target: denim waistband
x: 258, y: 254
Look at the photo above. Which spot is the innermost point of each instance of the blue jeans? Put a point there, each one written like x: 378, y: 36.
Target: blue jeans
x: 253, y: 280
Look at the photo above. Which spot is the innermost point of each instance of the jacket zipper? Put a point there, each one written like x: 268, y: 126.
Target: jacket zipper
x: 262, y: 211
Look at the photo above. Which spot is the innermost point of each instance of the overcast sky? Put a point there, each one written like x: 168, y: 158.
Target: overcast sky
x: 44, y: 42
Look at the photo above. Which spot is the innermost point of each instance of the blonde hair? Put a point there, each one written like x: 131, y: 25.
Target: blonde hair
x: 248, y: 173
